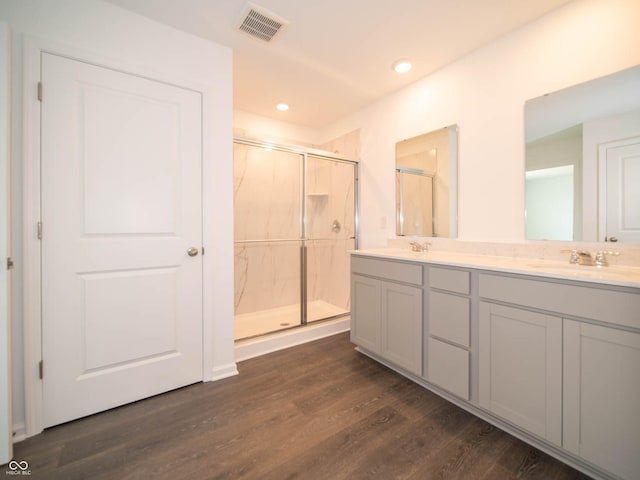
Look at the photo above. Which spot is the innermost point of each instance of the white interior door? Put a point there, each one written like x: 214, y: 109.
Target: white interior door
x: 121, y: 205
x: 623, y: 190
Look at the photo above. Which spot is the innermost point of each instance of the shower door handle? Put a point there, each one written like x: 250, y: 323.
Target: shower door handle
x: 192, y: 252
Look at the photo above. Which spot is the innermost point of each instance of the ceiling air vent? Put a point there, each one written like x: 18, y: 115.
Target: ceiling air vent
x: 260, y: 23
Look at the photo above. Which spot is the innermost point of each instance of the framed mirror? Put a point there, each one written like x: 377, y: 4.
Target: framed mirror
x: 426, y: 184
x: 582, y: 167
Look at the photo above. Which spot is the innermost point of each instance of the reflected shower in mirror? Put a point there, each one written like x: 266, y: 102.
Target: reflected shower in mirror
x: 582, y: 169
x: 426, y: 184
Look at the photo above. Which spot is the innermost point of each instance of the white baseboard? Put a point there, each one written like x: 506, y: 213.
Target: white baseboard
x: 246, y: 349
x: 223, y: 371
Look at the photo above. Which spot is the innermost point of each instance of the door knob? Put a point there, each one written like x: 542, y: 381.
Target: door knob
x: 192, y: 252
x: 613, y: 239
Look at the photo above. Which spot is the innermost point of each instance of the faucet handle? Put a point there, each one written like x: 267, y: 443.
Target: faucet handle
x: 601, y: 257
x: 574, y: 258
x: 416, y: 247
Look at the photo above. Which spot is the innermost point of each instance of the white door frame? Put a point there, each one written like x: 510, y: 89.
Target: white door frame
x: 33, y: 47
x: 6, y: 452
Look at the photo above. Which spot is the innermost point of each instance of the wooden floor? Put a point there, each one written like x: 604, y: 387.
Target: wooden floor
x: 317, y: 411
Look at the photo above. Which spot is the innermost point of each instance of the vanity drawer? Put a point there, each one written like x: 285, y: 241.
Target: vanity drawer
x: 389, y: 270
x: 449, y: 317
x: 619, y: 307
x: 448, y: 367
x: 448, y: 279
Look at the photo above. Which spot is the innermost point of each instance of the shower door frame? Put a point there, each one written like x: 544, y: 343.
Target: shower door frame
x: 305, y: 153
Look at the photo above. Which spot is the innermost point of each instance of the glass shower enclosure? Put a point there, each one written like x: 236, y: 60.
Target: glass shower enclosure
x: 294, y: 223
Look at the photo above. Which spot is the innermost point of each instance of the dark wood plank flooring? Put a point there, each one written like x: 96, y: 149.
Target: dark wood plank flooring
x: 316, y: 411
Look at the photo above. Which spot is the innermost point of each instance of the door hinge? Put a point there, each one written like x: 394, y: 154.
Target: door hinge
x: 41, y: 369
x: 9, y: 263
x: 40, y: 91
x: 39, y: 230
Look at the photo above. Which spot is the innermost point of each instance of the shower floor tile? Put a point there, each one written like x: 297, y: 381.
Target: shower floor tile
x: 266, y: 321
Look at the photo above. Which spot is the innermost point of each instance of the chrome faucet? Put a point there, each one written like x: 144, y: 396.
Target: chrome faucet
x: 416, y: 247
x: 574, y: 258
x: 601, y: 257
x: 583, y: 257
x: 579, y: 257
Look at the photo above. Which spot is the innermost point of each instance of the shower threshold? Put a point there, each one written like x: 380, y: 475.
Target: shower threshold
x: 252, y: 324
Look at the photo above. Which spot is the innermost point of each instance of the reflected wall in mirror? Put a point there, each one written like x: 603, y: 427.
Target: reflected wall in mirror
x: 426, y: 184
x: 582, y: 169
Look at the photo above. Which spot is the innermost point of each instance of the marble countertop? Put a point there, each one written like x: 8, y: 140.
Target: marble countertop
x: 611, y: 275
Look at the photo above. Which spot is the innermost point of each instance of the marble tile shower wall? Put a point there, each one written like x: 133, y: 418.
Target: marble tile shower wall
x: 330, y: 199
x: 266, y: 194
x: 347, y: 145
x: 328, y: 268
x: 267, y: 275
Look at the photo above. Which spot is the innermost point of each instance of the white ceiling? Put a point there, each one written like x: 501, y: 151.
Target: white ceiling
x: 335, y: 56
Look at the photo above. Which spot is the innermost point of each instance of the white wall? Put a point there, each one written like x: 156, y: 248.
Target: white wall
x: 484, y: 93
x: 119, y: 37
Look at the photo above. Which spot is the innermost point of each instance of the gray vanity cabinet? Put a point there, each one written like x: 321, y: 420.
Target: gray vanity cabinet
x: 552, y: 360
x: 601, y: 422
x: 387, y: 310
x: 449, y: 323
x: 570, y: 376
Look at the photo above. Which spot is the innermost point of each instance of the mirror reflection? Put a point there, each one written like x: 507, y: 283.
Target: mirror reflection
x: 582, y: 169
x: 426, y: 184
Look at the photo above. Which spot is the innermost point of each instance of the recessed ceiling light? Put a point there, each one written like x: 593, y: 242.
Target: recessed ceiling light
x: 402, y: 66
x: 283, y: 107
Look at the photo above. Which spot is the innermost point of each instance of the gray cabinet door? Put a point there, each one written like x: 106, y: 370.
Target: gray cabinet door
x: 402, y: 326
x: 520, y: 367
x: 365, y: 312
x: 601, y: 397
